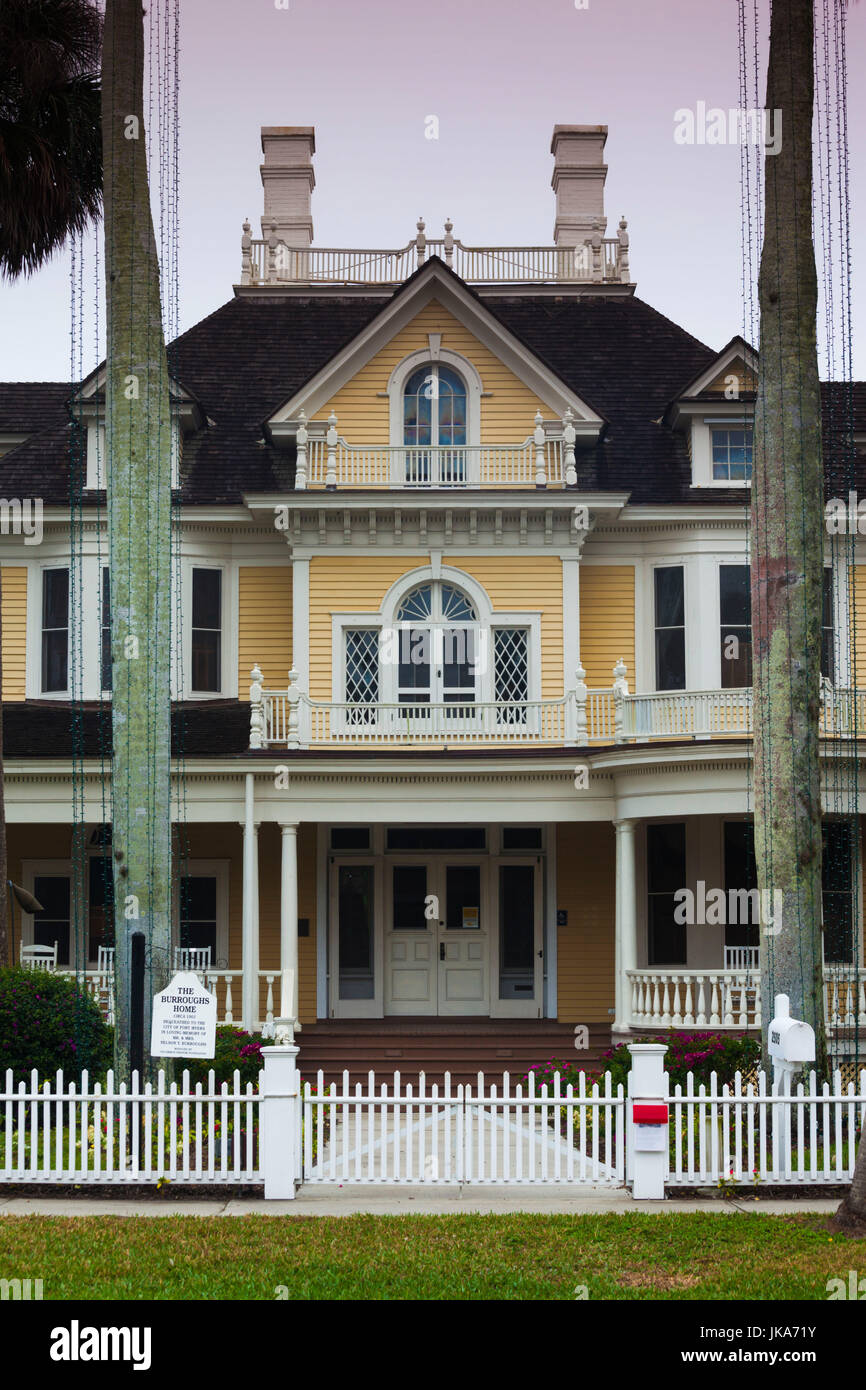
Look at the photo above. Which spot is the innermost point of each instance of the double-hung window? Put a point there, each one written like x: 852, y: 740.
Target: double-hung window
x: 670, y: 628
x: 207, y: 631
x: 732, y: 454
x: 735, y: 614
x: 55, y: 630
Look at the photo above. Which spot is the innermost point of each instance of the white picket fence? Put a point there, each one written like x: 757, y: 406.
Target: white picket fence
x: 72, y: 1132
x: 384, y: 1132
x: 489, y: 1133
x: 742, y: 1133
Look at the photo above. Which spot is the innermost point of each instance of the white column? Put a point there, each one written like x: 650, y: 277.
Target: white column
x: 250, y: 919
x: 626, y: 921
x: 289, y: 923
x: 570, y: 619
x: 301, y: 622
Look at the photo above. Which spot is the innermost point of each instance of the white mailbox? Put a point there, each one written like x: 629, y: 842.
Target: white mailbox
x: 790, y: 1041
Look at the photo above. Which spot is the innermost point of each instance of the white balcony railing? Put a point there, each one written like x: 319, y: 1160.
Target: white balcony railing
x: 422, y: 466
x: 270, y: 261
x: 289, y: 718
x: 711, y: 999
x: 225, y: 984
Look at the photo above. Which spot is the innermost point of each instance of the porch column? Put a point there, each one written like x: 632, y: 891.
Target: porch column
x: 289, y: 922
x: 626, y: 922
x: 250, y: 918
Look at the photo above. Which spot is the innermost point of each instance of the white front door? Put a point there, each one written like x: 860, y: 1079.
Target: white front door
x: 437, y: 935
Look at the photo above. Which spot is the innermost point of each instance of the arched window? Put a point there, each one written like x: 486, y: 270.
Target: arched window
x: 439, y: 646
x: 434, y: 427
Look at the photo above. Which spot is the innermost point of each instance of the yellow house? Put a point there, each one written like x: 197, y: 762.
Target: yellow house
x: 463, y: 657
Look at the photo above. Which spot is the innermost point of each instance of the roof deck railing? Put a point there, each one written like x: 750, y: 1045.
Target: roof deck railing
x: 601, y: 260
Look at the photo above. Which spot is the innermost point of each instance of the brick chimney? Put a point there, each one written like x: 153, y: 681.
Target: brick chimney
x: 288, y: 181
x: 579, y: 172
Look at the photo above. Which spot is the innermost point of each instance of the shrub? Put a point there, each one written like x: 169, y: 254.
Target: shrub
x: 48, y: 1021
x: 695, y: 1053
x: 235, y: 1049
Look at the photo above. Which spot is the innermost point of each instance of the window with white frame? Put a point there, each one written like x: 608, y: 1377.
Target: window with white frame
x: 669, y: 627
x: 732, y: 453
x: 206, y: 633
x: 439, y: 649
x: 434, y: 426
x: 55, y: 630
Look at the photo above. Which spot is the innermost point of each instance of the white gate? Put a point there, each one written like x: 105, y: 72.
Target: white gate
x: 486, y: 1133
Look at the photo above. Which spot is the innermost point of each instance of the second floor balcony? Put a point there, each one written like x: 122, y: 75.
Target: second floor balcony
x: 581, y: 717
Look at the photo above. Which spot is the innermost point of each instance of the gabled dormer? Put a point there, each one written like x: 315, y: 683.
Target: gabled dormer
x: 89, y: 408
x: 435, y: 392
x: 716, y: 414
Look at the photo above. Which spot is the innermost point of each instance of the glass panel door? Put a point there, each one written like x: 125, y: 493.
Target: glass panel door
x: 356, y: 930
x: 516, y: 931
x: 463, y: 941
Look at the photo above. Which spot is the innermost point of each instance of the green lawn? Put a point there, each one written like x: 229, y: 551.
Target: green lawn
x: 524, y: 1256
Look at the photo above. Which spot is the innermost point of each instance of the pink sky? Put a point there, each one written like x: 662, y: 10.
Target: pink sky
x: 498, y: 76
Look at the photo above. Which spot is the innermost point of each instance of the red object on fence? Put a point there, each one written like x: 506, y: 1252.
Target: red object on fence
x: 650, y: 1114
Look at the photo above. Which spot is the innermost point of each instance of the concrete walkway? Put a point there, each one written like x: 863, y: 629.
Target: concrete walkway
x: 393, y: 1201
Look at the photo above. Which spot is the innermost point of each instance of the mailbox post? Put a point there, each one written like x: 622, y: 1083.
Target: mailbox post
x: 647, y: 1132
x: 791, y: 1044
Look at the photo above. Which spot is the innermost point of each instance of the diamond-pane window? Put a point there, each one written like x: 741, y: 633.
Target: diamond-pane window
x: 362, y: 666
x: 511, y: 671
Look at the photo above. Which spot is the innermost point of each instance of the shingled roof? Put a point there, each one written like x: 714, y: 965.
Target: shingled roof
x: 252, y: 354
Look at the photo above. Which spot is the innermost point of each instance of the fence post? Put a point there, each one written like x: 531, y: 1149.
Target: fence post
x: 647, y: 1133
x: 280, y: 1121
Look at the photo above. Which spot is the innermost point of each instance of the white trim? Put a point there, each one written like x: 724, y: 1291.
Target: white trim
x: 228, y: 629
x: 570, y: 620
x: 738, y: 347
x: 702, y: 453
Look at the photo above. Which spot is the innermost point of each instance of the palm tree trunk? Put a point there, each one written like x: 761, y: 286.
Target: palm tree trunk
x: 138, y: 453
x: 787, y: 544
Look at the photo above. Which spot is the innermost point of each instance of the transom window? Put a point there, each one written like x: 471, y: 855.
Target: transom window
x: 434, y: 427
x: 436, y: 601
x: 732, y: 455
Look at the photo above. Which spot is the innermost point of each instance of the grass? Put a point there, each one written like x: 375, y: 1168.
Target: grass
x: 523, y: 1256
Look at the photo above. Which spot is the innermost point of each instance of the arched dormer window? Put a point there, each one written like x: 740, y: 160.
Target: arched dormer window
x: 434, y: 427
x: 435, y: 423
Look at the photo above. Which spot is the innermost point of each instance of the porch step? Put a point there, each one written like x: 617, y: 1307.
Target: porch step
x: 435, y: 1046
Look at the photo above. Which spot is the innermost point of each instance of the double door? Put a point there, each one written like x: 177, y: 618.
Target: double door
x: 436, y: 935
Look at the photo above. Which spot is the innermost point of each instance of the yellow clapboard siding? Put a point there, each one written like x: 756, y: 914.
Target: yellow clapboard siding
x: 517, y: 585
x: 343, y: 584
x: 737, y: 368
x: 606, y: 622
x: 14, y: 619
x: 363, y: 417
x: 264, y: 624
x: 585, y: 889
x: 857, y: 610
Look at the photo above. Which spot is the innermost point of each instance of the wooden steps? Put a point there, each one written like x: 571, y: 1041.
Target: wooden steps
x: 462, y: 1047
